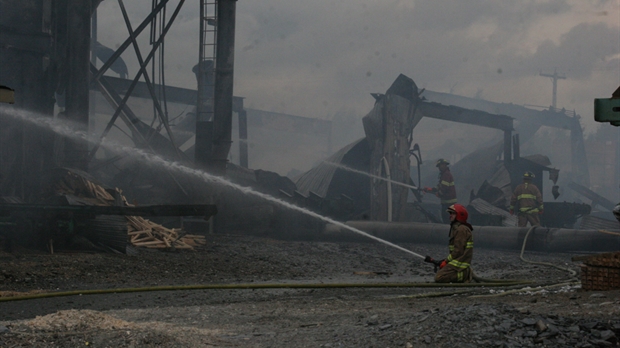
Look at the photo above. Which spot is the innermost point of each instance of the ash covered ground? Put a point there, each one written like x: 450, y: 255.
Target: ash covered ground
x: 564, y: 316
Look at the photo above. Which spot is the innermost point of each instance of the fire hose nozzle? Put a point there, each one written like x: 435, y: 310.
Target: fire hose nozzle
x: 436, y: 264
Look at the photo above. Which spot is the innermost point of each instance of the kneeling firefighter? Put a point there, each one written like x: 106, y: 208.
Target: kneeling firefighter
x: 456, y: 268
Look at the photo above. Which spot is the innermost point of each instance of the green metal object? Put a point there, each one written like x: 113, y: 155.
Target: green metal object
x: 608, y: 110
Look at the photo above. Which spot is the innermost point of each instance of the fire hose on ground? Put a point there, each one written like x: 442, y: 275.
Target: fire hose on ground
x: 258, y: 286
x: 481, y: 282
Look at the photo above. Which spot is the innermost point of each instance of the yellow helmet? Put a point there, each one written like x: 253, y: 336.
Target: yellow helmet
x: 442, y: 161
x: 528, y: 175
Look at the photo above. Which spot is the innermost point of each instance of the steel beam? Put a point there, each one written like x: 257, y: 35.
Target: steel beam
x: 131, y: 120
x: 77, y: 76
x: 173, y: 94
x: 149, y: 85
x: 462, y: 115
x: 136, y: 79
x: 243, y: 138
x: 127, y: 42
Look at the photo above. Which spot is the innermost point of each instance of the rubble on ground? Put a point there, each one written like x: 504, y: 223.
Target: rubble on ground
x: 563, y: 316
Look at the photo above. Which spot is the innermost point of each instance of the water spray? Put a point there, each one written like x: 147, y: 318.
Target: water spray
x: 66, y: 128
x: 369, y: 174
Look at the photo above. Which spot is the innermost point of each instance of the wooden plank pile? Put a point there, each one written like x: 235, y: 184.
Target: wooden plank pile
x: 141, y: 232
x: 601, y: 272
x: 145, y: 233
x: 73, y: 184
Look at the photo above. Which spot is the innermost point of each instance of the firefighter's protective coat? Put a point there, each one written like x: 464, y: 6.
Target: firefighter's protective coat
x: 529, y: 201
x: 445, y: 188
x: 461, y: 245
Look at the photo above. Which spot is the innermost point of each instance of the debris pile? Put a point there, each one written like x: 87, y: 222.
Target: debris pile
x: 145, y: 233
x: 72, y: 320
x: 142, y: 232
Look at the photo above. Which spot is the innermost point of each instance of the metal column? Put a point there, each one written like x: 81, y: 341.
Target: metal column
x: 507, y: 147
x: 243, y: 138
x: 26, y: 65
x: 93, y: 61
x: 223, y: 94
x: 205, y: 74
x: 78, y: 79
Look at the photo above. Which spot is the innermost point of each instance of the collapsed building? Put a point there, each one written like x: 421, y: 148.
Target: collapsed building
x: 494, y: 171
x: 57, y: 34
x: 49, y: 56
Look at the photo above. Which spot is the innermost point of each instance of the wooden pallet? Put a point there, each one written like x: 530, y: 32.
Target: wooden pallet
x: 604, y: 260
x: 600, y: 278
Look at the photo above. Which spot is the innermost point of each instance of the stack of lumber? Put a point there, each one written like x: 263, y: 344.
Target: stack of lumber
x: 141, y: 232
x: 73, y: 184
x: 145, y: 233
x: 601, y: 272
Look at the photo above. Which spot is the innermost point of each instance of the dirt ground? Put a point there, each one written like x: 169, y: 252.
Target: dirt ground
x: 563, y: 316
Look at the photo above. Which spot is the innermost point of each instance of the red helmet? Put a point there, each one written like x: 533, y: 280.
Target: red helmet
x: 461, y: 212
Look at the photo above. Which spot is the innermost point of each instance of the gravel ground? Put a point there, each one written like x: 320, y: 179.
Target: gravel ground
x: 563, y: 316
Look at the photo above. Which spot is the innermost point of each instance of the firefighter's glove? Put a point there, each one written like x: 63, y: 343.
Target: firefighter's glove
x: 428, y: 189
x: 433, y: 261
x: 512, y: 212
x: 443, y: 264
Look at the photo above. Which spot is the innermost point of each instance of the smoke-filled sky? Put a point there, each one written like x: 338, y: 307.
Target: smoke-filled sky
x: 322, y: 57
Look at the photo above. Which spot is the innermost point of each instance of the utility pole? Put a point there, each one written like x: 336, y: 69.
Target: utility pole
x: 555, y: 78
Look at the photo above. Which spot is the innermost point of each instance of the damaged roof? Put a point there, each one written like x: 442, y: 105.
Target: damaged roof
x: 319, y: 178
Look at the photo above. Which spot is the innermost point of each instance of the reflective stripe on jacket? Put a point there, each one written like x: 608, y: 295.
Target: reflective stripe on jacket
x: 446, y: 190
x: 528, y: 198
x: 461, y: 246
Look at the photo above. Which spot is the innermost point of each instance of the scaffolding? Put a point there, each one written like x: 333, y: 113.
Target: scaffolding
x: 207, y: 60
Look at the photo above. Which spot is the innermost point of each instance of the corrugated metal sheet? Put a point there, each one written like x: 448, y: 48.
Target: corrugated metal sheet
x: 589, y: 222
x: 318, y: 178
x: 484, y: 207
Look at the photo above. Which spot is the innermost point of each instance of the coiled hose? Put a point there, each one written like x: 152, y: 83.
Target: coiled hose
x: 572, y: 272
x: 572, y: 281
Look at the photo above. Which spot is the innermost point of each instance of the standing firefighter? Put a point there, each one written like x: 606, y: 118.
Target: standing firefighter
x: 529, y: 201
x: 456, y: 268
x: 445, y: 188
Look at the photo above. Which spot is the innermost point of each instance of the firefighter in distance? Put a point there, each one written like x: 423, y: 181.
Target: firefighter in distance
x: 445, y: 190
x: 528, y: 199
